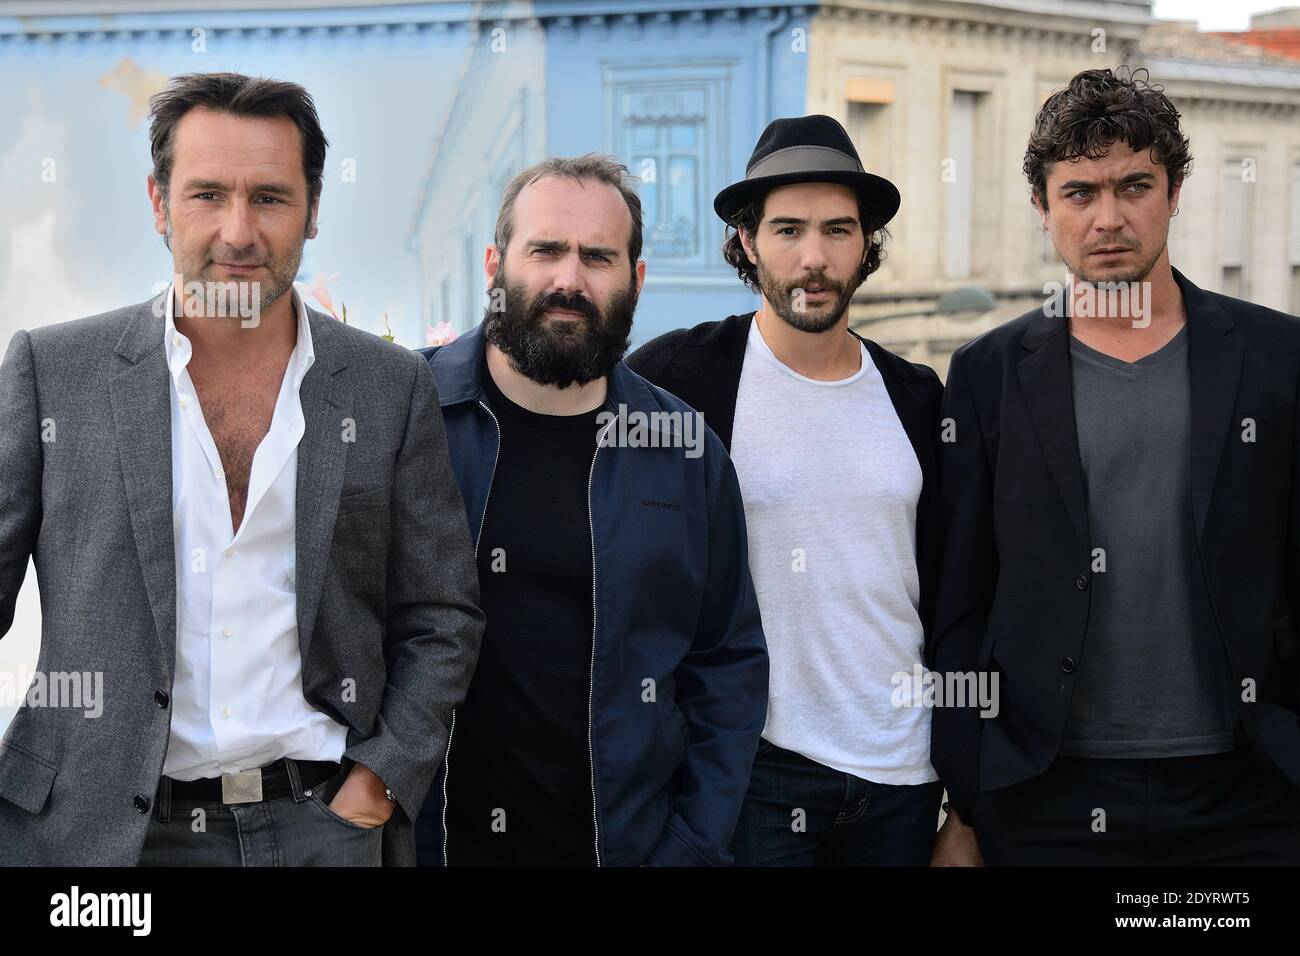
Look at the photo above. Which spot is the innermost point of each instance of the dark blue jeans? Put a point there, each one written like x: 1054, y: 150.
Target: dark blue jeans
x: 798, y: 812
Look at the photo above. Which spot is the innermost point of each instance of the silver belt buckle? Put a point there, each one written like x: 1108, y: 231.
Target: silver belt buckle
x: 242, y: 787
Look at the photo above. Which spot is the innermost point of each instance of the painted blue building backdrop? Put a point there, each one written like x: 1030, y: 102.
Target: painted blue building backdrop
x: 678, y: 91
x: 429, y: 107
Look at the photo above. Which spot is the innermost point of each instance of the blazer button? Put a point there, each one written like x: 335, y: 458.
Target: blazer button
x: 1081, y: 582
x: 141, y: 803
x: 1067, y: 664
x: 160, y: 698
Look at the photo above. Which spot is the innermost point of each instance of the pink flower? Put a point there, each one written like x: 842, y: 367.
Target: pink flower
x: 318, y: 291
x: 441, y: 334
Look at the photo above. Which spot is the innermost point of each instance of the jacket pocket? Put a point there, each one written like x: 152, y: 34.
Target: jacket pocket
x: 366, y: 500
x: 1266, y: 413
x: 25, y: 779
x: 333, y: 817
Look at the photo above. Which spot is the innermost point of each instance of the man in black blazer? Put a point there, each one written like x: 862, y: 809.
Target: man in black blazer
x: 835, y: 442
x: 1122, y: 533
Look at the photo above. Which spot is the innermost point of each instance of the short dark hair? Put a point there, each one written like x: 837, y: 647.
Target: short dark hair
x: 238, y: 95
x: 750, y: 215
x: 1098, y: 108
x: 604, y: 169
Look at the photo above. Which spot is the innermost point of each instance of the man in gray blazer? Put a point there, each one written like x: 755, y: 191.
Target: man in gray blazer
x: 247, y: 538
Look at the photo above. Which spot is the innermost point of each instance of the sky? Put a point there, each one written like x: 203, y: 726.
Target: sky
x: 1216, y: 14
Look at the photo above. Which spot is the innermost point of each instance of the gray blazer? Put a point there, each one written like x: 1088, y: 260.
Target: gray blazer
x: 387, y: 589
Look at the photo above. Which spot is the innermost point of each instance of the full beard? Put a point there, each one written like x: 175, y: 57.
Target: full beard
x: 560, y: 352
x: 780, y: 296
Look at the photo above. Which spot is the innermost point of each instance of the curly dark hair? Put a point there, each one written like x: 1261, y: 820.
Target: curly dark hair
x: 1098, y: 108
x: 747, y: 220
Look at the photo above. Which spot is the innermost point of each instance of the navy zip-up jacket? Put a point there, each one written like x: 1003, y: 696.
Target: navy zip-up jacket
x: 679, y: 664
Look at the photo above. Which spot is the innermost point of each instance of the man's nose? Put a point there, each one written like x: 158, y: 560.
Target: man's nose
x: 237, y: 226
x: 813, y: 254
x: 570, y: 275
x: 1108, y: 215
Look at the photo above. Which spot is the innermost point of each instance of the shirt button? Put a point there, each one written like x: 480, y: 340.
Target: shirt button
x: 226, y: 632
x: 225, y: 711
x: 216, y: 473
x: 176, y: 339
x: 185, y: 402
x: 229, y: 552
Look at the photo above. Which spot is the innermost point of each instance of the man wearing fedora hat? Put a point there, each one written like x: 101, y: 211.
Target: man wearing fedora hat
x: 834, y: 440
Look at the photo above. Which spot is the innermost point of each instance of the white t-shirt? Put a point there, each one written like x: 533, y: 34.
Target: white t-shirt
x: 831, y: 484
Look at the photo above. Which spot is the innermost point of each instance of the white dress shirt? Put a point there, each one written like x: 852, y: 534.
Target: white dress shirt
x: 237, y: 700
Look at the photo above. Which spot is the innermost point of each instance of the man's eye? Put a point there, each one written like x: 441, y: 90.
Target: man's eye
x: 1143, y: 187
x: 786, y: 229
x: 1077, y: 194
x: 839, y: 229
x: 275, y: 199
x: 597, y: 256
x: 202, y: 195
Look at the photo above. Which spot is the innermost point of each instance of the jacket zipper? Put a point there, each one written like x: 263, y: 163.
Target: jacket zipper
x: 446, y: 760
x: 591, y: 685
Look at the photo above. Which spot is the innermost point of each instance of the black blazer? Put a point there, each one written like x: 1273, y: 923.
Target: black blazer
x: 702, y: 367
x: 1016, y: 571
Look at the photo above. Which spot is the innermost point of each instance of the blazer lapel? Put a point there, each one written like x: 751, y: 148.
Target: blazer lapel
x: 1214, y: 360
x: 1047, y: 383
x: 140, y: 396
x: 322, y: 455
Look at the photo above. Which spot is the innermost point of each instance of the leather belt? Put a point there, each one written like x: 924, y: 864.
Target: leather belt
x: 251, y: 786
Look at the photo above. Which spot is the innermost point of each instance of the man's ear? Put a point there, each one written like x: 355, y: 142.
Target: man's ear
x: 491, y: 262
x: 1039, y: 208
x: 747, y: 243
x: 159, y: 206
x: 315, y: 212
x: 640, y: 275
x: 1173, y: 198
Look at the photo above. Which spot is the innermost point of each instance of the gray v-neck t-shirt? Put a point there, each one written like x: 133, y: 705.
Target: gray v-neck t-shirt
x: 1152, y: 679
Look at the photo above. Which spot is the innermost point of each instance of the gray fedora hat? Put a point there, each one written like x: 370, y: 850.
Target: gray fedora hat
x: 805, y: 149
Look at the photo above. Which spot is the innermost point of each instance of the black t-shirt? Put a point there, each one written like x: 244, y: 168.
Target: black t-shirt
x: 519, y: 781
